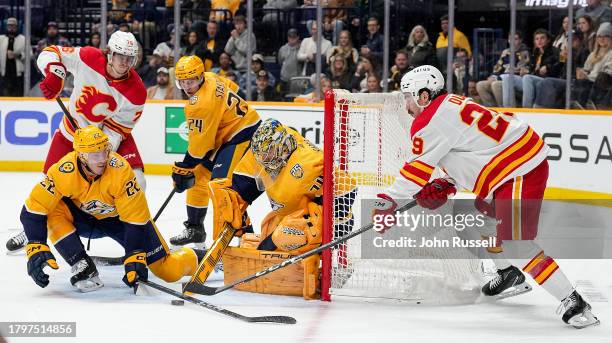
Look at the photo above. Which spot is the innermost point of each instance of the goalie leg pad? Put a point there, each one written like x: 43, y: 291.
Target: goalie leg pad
x: 228, y: 206
x: 175, y: 265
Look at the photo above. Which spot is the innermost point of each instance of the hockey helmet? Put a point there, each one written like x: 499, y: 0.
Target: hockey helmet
x: 90, y: 139
x: 123, y: 43
x: 272, y: 145
x: 188, y: 67
x: 424, y: 78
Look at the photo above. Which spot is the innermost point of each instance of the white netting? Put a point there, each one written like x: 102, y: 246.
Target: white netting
x: 372, y: 142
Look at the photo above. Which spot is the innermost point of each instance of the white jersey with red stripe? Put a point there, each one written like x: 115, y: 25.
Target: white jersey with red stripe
x: 97, y: 99
x: 478, y: 147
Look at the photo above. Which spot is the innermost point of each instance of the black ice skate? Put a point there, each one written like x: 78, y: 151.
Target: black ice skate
x: 85, y: 275
x: 17, y: 242
x: 191, y: 234
x: 576, y: 311
x: 509, y: 282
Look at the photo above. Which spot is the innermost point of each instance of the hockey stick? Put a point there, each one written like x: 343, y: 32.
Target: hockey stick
x: 67, y: 114
x: 206, y: 290
x: 210, y: 260
x: 163, y: 206
x: 262, y: 319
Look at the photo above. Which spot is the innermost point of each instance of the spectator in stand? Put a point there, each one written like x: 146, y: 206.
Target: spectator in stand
x: 462, y: 69
x: 365, y: 69
x: 257, y: 65
x: 166, y: 49
x: 143, y: 21
x: 543, y: 62
x: 339, y: 74
x: 12, y: 59
x: 308, y: 49
x: 561, y: 40
x: 149, y: 72
x: 225, y: 67
x: 594, y: 81
x: 94, y: 40
x: 334, y: 18
x: 52, y: 38
x: 195, y: 47
x: 419, y: 48
x: 374, y: 45
x: 270, y: 17
x: 163, y: 90
x: 263, y: 91
x: 238, y: 43
x: 345, y: 50
x: 460, y: 41
x: 551, y: 93
x: 490, y: 90
x: 311, y: 96
x: 589, y: 31
x: 401, y: 67
x: 596, y: 10
x: 214, y: 46
x: 288, y: 60
x: 373, y: 85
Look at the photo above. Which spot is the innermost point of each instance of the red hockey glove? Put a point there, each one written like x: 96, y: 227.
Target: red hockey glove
x: 52, y: 85
x: 435, y: 193
x: 383, y: 215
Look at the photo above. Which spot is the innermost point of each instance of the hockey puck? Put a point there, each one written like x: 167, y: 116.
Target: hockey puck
x: 177, y: 302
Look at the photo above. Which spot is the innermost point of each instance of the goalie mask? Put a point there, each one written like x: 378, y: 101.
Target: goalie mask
x: 272, y: 146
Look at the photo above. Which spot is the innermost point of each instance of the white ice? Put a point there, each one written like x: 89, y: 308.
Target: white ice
x: 114, y: 314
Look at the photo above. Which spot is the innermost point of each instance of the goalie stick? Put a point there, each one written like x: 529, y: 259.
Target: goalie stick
x: 206, y: 290
x: 262, y: 319
x: 210, y: 260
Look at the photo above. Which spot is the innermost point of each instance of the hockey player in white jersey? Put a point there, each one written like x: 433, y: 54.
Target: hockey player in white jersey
x: 495, y: 156
x: 108, y: 93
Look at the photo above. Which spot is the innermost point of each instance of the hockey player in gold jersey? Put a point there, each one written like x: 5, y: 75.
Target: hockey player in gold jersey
x: 93, y: 192
x: 290, y: 170
x: 220, y: 127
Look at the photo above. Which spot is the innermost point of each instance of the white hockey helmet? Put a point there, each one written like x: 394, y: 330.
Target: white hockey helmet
x: 123, y: 43
x: 422, y: 78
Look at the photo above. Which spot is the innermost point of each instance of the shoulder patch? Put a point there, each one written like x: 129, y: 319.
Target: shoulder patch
x: 193, y: 100
x: 275, y: 205
x: 297, y: 171
x: 115, y: 162
x: 67, y: 167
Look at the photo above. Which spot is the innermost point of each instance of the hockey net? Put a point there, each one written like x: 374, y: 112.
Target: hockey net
x: 367, y: 141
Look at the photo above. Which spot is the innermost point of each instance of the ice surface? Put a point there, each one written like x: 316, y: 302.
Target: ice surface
x: 114, y: 314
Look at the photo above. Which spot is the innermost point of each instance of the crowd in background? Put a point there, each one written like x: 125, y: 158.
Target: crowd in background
x: 352, y: 52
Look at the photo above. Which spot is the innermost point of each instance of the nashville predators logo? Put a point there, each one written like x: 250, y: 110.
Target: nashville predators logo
x: 94, y: 207
x: 91, y: 104
x: 297, y: 171
x: 67, y: 167
x: 275, y: 205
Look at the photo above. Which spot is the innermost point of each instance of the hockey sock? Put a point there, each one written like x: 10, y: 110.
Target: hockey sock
x: 542, y: 268
x: 196, y: 215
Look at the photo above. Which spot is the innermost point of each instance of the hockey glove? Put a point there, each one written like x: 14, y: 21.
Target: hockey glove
x: 435, y: 193
x: 135, y: 264
x: 52, y: 85
x: 183, y: 177
x: 40, y: 256
x: 384, y: 212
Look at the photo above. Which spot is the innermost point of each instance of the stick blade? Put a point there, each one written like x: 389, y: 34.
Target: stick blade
x: 194, y: 287
x: 272, y: 319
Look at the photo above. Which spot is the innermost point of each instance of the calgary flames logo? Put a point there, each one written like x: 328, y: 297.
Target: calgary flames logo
x: 88, y: 103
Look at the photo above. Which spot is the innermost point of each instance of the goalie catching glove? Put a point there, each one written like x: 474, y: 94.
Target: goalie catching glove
x: 435, y: 193
x: 182, y: 176
x: 40, y: 256
x: 135, y: 265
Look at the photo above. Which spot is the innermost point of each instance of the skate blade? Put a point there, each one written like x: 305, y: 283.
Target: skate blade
x: 584, y: 320
x: 19, y: 251
x: 517, y: 290
x: 90, y: 285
